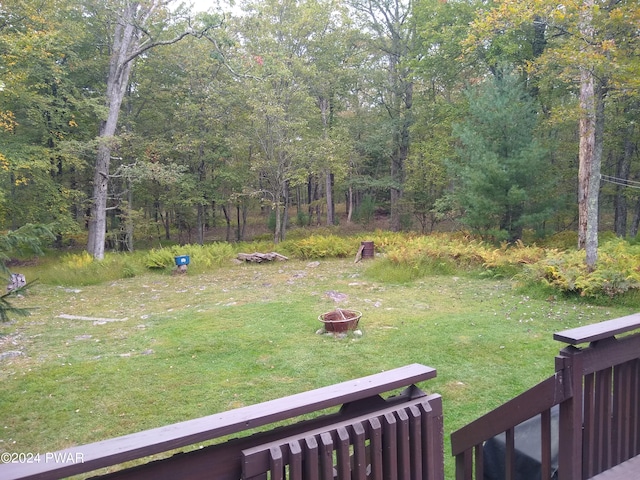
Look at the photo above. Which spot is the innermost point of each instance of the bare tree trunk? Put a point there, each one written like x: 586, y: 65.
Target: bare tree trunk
x: 325, y: 105
x: 200, y: 224
x: 125, y: 41
x: 623, y: 168
x: 331, y: 219
x: 589, y: 162
x: 635, y: 224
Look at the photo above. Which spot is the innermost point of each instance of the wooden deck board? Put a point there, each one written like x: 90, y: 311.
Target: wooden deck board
x: 624, y: 471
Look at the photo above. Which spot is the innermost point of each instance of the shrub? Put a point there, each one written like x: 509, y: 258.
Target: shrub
x: 617, y: 271
x: 328, y: 246
x: 201, y: 256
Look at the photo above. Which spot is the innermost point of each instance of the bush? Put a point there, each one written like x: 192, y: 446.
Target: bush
x: 201, y: 256
x: 617, y: 271
x: 328, y: 246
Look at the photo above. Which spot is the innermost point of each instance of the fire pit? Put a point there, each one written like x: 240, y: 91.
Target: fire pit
x: 340, y: 320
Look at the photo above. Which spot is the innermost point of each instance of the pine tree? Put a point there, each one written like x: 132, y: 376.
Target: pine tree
x: 503, y: 183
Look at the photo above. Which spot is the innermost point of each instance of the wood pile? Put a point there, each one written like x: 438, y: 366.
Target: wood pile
x: 261, y: 257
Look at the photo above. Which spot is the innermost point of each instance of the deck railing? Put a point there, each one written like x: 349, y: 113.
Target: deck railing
x: 596, y: 389
x: 368, y: 437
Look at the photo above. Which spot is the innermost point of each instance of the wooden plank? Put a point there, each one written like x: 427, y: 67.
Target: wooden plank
x: 590, y: 442
x: 311, y: 459
x: 527, y: 405
x: 343, y: 464
x: 545, y: 444
x: 375, y: 447
x: 609, y: 353
x: 390, y: 447
x: 277, y: 465
x: 417, y: 440
x: 404, y: 451
x: 295, y: 461
x: 150, y: 442
x: 433, y: 433
x: 359, y: 452
x: 326, y: 456
x: 464, y: 464
x: 624, y: 471
x: 510, y: 454
x: 599, y: 331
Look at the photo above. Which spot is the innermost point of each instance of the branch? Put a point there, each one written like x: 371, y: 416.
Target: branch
x: 226, y: 64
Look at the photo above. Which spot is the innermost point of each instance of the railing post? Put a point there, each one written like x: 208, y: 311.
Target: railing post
x: 569, y: 362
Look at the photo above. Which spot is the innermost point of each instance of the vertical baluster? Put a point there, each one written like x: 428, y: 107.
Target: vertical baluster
x: 509, y: 455
x: 415, y: 434
x: 545, y: 444
x: 359, y: 452
x: 343, y: 464
x: 390, y: 447
x: 311, y: 459
x: 375, y: 448
x: 590, y: 434
x: 326, y: 456
x: 402, y: 432
x: 295, y: 461
x: 276, y: 463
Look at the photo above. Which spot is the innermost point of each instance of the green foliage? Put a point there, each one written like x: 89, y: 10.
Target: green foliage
x: 302, y: 219
x: 202, y: 257
x: 8, y: 310
x: 617, y: 271
x: 329, y: 246
x: 28, y: 239
x: 450, y: 253
x: 159, y: 258
x: 503, y: 176
x: 365, y: 211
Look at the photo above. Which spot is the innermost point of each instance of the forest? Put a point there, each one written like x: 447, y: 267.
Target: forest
x: 122, y: 120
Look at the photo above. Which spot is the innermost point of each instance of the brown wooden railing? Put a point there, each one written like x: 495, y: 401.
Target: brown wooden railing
x: 368, y: 437
x: 596, y: 389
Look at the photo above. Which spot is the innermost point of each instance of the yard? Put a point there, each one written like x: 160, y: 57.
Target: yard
x: 102, y: 361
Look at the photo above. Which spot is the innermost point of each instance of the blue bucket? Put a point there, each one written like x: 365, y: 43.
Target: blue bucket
x: 182, y: 260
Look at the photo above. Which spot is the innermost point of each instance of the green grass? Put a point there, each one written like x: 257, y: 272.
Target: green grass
x: 208, y: 341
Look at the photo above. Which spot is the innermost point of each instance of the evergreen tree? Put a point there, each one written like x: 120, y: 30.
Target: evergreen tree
x: 503, y: 185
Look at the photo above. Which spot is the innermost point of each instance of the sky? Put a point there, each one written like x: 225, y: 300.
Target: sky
x: 203, y: 5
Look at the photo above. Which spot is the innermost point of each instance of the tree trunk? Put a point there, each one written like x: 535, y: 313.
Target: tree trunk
x: 200, y: 224
x: 331, y: 219
x: 228, y: 220
x: 124, y: 42
x: 623, y: 169
x: 325, y: 106
x: 635, y: 224
x: 589, y: 167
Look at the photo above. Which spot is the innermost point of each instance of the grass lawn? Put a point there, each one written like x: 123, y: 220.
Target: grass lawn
x: 196, y: 344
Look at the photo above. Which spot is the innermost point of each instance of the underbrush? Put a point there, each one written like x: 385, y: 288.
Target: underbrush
x: 400, y: 258
x: 617, y: 272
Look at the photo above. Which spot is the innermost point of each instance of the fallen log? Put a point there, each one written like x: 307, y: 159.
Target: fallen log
x: 261, y: 257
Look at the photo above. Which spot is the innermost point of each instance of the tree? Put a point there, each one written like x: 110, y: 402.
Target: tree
x: 589, y: 47
x: 280, y: 101
x: 40, y: 44
x: 441, y: 74
x: 393, y: 33
x: 502, y: 182
x: 28, y: 238
x: 138, y: 28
